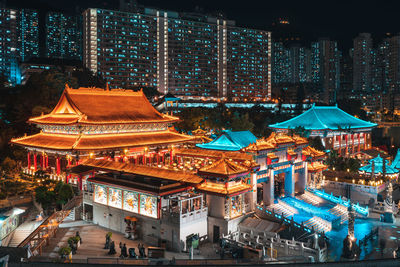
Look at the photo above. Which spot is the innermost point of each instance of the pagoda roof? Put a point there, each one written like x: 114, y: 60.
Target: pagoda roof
x: 396, y: 161
x: 324, y: 118
x: 161, y: 173
x: 230, y: 141
x: 222, y: 190
x: 276, y: 139
x: 376, y: 165
x: 99, y: 141
x: 224, y: 168
x: 316, y: 167
x: 314, y: 153
x: 98, y: 106
x: 197, y: 152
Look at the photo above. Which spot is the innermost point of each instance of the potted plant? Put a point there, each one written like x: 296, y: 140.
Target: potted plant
x: 65, y: 253
x: 72, y: 244
x: 77, y: 241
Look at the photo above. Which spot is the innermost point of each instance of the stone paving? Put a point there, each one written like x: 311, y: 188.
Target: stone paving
x: 93, y: 240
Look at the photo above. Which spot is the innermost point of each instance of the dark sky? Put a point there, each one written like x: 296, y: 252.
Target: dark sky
x: 340, y: 20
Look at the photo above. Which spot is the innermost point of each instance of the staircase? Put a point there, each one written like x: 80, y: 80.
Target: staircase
x: 340, y: 211
x: 22, y: 232
x: 319, y: 225
x: 311, y: 198
x: 282, y: 207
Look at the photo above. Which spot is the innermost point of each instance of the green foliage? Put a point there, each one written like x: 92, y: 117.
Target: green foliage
x: 316, y: 143
x: 241, y: 122
x: 299, y: 130
x: 45, y: 197
x: 64, y: 251
x: 65, y: 193
x: 341, y: 163
x: 9, y: 166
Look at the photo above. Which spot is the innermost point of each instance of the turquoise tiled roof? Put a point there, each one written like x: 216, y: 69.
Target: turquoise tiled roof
x: 396, y: 161
x: 230, y: 141
x: 378, y: 162
x: 324, y: 118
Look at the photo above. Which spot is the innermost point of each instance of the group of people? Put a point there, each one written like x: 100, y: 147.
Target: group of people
x: 124, y: 251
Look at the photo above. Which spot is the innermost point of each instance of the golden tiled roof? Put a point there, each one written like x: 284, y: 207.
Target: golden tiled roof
x: 316, y: 167
x: 100, y: 141
x: 98, y: 106
x: 274, y: 140
x: 167, y: 174
x: 314, y: 153
x: 199, y: 132
x: 221, y: 189
x: 224, y: 167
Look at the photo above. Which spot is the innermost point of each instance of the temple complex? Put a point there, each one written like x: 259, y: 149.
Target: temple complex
x: 337, y: 129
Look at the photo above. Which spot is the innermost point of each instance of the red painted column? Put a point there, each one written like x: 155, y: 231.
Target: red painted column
x: 34, y: 161
x: 47, y: 161
x: 352, y: 143
x: 58, y: 166
x: 359, y: 142
x: 69, y: 161
x: 340, y: 144
x: 365, y: 141
x: 29, y: 160
x: 158, y: 159
x: 345, y: 137
x: 144, y: 159
x: 171, y: 157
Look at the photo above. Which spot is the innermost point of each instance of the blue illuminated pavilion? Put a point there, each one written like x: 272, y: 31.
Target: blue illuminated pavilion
x: 396, y: 161
x: 375, y: 166
x: 324, y: 118
x: 230, y: 141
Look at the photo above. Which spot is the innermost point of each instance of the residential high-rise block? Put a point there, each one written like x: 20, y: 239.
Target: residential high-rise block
x: 189, y: 55
x: 9, y: 45
x: 362, y: 56
x: 63, y: 36
x: 28, y: 34
x: 325, y: 66
x: 281, y: 63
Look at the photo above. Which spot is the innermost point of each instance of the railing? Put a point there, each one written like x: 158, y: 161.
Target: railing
x: 47, y: 229
x: 175, y: 217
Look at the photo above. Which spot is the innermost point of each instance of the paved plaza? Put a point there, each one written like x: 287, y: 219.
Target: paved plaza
x: 92, y: 248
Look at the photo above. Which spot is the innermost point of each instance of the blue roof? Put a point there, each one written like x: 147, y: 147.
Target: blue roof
x: 396, y: 161
x: 230, y: 141
x: 378, y: 162
x: 324, y: 118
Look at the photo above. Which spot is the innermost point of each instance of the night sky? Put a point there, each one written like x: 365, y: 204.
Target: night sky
x: 339, y: 20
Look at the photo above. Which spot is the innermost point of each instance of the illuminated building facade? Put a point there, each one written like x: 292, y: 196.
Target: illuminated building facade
x: 28, y: 34
x: 206, y: 57
x: 9, y: 45
x: 63, y: 36
x: 362, y: 63
x: 337, y: 129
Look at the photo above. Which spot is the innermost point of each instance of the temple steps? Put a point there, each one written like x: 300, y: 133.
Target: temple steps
x: 282, y: 207
x: 311, y: 198
x: 318, y: 224
x: 340, y: 211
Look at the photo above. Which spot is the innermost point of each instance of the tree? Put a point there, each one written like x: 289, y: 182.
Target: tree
x: 65, y: 193
x: 241, y: 122
x: 9, y: 165
x: 316, y: 143
x: 45, y: 197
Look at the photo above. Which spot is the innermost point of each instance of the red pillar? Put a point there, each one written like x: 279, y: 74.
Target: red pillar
x: 171, y: 157
x: 340, y: 144
x: 365, y: 141
x: 29, y: 160
x: 144, y: 159
x: 58, y: 167
x: 359, y: 142
x: 345, y: 137
x: 43, y: 162
x: 69, y: 161
x: 47, y: 161
x: 34, y: 161
x: 352, y: 143
x: 158, y: 159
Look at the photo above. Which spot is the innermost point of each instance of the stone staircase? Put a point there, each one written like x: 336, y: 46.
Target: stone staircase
x: 340, y: 211
x: 318, y: 224
x: 310, y: 198
x: 22, y: 232
x: 282, y: 207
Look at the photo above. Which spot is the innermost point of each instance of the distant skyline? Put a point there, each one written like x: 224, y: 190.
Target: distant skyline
x: 339, y: 20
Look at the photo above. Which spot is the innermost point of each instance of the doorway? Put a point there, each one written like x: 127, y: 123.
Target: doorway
x: 215, y: 234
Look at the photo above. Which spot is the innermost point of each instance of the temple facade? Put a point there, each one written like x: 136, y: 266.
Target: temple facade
x: 116, y: 124
x: 337, y: 129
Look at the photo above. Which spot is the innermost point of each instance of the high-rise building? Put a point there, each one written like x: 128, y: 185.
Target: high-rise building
x: 325, y: 66
x: 28, y: 34
x: 63, y: 36
x: 362, y: 56
x: 281, y: 63
x: 9, y: 45
x: 190, y: 55
x: 300, y: 64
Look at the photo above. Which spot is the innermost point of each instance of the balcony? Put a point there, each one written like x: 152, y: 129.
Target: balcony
x: 177, y: 218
